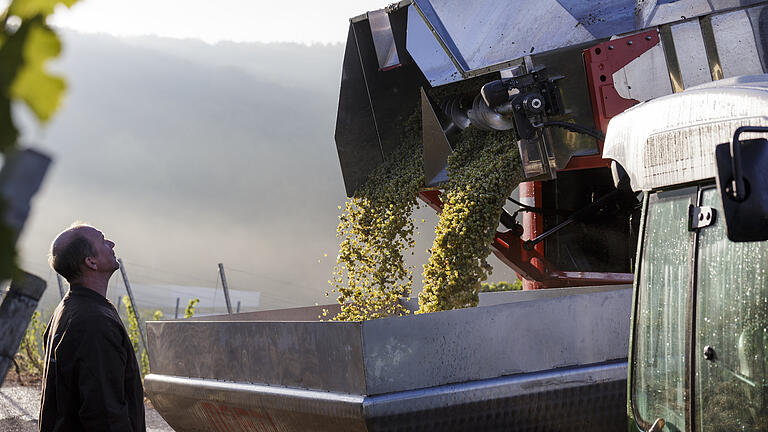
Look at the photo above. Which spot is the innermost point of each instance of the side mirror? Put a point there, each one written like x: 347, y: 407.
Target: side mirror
x: 742, y: 180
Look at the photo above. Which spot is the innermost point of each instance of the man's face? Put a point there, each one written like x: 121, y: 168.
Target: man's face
x: 105, y: 254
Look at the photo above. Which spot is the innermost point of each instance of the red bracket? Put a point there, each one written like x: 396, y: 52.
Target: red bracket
x: 605, y: 59
x: 601, y: 62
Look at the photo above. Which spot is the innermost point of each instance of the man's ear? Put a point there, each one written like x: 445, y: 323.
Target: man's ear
x: 91, y: 263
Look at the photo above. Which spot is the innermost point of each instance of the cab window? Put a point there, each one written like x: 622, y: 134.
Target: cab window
x: 663, y: 285
x: 731, y: 327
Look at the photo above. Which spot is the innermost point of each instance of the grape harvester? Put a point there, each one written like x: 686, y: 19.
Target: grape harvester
x: 640, y: 233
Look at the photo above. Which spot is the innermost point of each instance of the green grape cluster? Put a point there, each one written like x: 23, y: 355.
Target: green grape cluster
x: 483, y: 171
x: 375, y: 228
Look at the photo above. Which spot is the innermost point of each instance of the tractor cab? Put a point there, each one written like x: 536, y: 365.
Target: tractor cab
x: 698, y: 356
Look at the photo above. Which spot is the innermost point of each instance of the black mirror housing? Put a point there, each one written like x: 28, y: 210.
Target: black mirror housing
x: 744, y: 194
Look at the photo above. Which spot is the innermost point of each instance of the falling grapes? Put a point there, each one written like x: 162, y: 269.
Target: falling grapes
x: 483, y: 171
x: 375, y: 228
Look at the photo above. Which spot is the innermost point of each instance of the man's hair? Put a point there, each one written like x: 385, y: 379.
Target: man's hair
x: 67, y: 261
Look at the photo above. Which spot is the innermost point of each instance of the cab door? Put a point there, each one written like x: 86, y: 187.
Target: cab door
x: 699, y: 348
x: 658, y: 385
x: 731, y: 330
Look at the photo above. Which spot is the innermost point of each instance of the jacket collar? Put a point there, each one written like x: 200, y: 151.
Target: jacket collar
x: 81, y: 291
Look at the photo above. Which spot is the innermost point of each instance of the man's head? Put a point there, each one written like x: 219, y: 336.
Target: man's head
x: 81, y: 252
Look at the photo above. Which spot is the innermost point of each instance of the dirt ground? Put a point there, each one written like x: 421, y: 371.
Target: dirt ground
x: 20, y: 404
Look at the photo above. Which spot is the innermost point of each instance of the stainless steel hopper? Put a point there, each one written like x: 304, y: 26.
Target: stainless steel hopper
x: 555, y: 363
x: 394, y: 52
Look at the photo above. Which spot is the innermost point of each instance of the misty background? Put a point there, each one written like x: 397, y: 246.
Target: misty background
x: 188, y: 154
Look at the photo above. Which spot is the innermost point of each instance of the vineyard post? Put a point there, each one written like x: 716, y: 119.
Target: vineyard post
x: 238, y: 306
x: 176, y: 315
x: 133, y: 304
x: 20, y: 178
x: 15, y: 312
x: 226, y: 288
x: 61, y: 285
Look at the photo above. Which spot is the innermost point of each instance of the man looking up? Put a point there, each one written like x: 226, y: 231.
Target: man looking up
x: 91, y: 379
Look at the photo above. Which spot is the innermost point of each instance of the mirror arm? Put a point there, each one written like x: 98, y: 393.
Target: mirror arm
x: 738, y: 190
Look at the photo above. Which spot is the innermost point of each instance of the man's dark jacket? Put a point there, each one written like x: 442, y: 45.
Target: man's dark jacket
x: 91, y: 379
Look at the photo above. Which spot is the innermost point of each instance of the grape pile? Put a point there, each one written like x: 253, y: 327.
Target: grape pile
x: 375, y: 228
x: 484, y: 169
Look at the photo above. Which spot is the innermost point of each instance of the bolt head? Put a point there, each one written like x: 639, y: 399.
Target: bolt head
x: 709, y: 353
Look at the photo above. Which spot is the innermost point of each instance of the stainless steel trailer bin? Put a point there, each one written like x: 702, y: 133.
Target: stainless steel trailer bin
x: 527, y: 363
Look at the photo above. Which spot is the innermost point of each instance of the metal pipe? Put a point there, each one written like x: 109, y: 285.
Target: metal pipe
x: 133, y: 304
x: 226, y: 288
x: 61, y: 285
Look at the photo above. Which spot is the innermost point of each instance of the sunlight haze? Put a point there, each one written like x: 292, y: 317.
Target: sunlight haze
x: 224, y: 20
x: 188, y: 154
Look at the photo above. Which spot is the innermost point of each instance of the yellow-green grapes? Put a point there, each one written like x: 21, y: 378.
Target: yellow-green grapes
x: 483, y: 170
x: 375, y: 228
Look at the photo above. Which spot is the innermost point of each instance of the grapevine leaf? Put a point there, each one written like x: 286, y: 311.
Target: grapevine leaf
x: 25, y: 9
x: 40, y: 90
x: 11, y: 57
x: 23, y: 53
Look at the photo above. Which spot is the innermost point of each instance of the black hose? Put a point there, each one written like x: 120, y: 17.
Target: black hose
x: 574, y: 128
x: 528, y: 208
x: 525, y: 207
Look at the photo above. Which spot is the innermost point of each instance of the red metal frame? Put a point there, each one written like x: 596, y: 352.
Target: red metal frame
x: 601, y: 62
x: 532, y: 267
x: 533, y: 225
x: 605, y: 59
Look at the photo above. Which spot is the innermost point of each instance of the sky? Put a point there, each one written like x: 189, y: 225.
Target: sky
x: 302, y: 21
